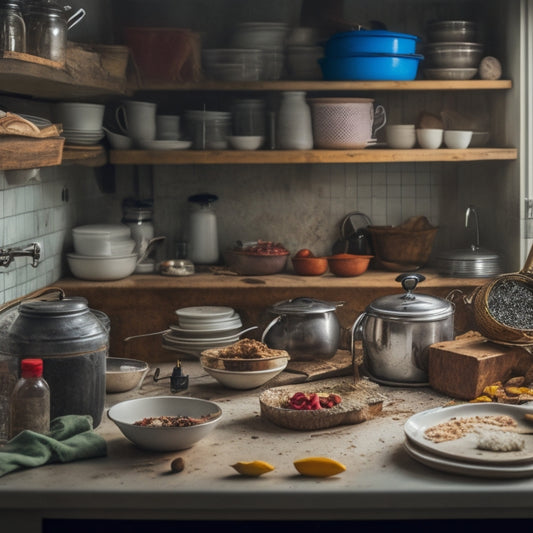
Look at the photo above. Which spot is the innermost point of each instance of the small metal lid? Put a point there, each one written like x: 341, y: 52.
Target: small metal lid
x: 419, y: 307
x: 304, y: 306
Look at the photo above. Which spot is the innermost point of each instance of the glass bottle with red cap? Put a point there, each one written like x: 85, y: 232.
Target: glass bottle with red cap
x: 30, y: 401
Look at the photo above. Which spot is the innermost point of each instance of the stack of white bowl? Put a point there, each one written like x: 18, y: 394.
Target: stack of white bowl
x: 82, y: 122
x: 102, y: 252
x: 202, y: 327
x: 269, y: 37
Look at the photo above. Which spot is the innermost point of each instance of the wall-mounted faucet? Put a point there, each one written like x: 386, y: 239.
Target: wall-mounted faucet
x: 33, y: 250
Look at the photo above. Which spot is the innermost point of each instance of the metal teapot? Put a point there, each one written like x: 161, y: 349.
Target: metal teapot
x: 305, y: 327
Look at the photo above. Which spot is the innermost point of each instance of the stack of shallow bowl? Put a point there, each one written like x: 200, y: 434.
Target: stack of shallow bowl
x: 202, y: 327
x: 233, y: 64
x: 102, y: 252
x: 303, y: 53
x: 269, y: 37
x: 370, y: 55
x: 82, y: 123
x: 452, y: 51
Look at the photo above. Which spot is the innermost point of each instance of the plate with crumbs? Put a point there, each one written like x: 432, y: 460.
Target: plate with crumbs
x: 461, y: 433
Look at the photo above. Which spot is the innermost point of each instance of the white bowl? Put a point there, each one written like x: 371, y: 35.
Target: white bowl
x: 246, y: 142
x: 105, y: 268
x: 458, y: 139
x: 79, y: 116
x: 244, y: 380
x: 123, y: 374
x: 118, y: 141
x: 429, y: 138
x: 400, y: 136
x: 164, y: 439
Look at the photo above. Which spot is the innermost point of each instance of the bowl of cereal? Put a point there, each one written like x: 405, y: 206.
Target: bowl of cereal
x: 165, y: 423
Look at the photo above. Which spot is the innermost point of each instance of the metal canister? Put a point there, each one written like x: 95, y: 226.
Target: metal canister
x: 73, y: 344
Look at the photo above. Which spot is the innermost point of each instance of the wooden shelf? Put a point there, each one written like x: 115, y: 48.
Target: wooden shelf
x: 95, y: 156
x: 369, y: 155
x: 88, y: 74
x: 324, y: 86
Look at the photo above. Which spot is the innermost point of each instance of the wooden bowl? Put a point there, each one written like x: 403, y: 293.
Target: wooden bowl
x: 310, y: 266
x: 348, y: 265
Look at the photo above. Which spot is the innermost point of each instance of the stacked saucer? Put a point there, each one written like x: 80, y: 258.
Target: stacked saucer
x: 202, y: 327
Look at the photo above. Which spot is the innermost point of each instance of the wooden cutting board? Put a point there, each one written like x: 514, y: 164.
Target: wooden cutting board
x: 361, y: 401
x: 462, y: 368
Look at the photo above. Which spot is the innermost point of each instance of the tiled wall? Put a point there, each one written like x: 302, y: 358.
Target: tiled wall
x: 298, y: 205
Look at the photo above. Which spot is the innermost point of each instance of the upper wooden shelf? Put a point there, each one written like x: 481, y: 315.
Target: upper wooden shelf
x: 90, y: 72
x: 290, y: 85
x: 369, y: 155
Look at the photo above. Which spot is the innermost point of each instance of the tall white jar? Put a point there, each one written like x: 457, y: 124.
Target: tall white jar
x: 295, y: 131
x: 203, y: 230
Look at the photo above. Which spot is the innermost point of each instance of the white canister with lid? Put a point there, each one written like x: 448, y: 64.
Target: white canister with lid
x: 203, y: 230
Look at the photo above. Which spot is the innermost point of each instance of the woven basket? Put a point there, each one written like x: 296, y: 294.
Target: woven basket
x: 487, y: 325
x: 405, y: 244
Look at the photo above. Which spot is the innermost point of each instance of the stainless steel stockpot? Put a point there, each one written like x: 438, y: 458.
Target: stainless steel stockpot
x: 305, y: 327
x: 397, y: 330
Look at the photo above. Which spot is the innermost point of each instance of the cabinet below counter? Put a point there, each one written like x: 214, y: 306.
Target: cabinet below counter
x: 146, y: 303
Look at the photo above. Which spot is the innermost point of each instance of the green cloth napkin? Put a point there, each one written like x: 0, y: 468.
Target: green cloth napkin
x: 71, y: 438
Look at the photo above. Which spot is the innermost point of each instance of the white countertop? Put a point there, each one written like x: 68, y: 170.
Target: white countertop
x: 381, y: 481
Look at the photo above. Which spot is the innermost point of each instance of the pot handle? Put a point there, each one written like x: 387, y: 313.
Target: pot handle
x: 356, y: 326
x: 269, y: 327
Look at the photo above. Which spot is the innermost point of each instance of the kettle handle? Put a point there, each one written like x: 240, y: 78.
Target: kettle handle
x: 269, y: 327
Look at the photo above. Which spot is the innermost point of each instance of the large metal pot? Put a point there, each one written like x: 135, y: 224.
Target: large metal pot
x: 305, y: 327
x: 397, y: 330
x: 73, y: 343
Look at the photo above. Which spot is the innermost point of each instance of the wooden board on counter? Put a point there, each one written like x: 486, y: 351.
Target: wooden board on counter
x: 462, y: 368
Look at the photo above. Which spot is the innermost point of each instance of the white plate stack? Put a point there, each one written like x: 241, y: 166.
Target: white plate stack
x: 202, y: 327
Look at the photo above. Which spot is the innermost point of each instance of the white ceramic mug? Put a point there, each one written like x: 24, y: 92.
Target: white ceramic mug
x: 137, y: 120
x: 168, y: 127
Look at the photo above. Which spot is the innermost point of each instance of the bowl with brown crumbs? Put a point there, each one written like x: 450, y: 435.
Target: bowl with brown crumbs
x: 165, y: 423
x: 245, y: 355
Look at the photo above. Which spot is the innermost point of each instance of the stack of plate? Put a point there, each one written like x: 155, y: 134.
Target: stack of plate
x: 203, y: 327
x: 462, y: 455
x: 83, y: 137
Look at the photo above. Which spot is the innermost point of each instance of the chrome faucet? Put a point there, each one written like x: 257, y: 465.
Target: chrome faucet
x: 33, y: 250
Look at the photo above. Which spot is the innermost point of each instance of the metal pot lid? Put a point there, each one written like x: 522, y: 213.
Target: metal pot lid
x: 416, y: 307
x: 304, y: 306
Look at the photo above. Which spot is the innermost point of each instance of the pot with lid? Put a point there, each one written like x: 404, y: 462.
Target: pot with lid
x: 73, y: 344
x: 307, y: 328
x: 397, y: 330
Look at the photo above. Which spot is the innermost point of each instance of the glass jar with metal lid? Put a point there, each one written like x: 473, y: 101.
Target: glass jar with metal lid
x: 12, y: 27
x: 47, y: 24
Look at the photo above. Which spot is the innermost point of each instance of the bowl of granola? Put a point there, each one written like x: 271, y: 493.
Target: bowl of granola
x: 165, y: 423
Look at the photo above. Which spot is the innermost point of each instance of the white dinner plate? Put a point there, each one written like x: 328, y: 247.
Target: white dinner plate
x: 205, y: 312
x: 181, y: 332
x: 464, y: 449
x: 467, y: 469
x: 165, y: 145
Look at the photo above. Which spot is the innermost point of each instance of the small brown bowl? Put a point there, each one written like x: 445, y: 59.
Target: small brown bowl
x: 310, y: 266
x: 347, y: 265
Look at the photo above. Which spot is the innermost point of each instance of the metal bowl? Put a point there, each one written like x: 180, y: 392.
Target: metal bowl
x: 453, y: 55
x: 452, y: 31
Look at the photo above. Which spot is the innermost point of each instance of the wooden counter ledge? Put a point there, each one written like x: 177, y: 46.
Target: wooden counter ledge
x: 146, y: 303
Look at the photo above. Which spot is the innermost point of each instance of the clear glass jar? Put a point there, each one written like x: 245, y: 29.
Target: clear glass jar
x: 46, y: 29
x: 12, y: 27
